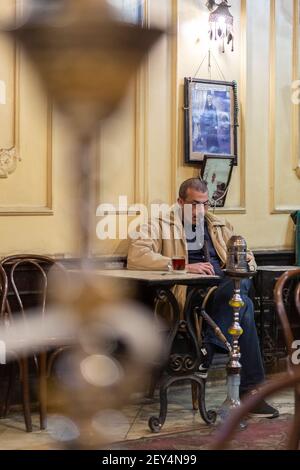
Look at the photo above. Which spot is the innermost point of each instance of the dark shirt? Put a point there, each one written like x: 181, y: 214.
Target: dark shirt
x: 207, y: 254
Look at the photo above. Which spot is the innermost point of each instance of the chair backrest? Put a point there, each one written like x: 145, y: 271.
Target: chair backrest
x: 279, y: 291
x: 3, y: 292
x: 41, y: 265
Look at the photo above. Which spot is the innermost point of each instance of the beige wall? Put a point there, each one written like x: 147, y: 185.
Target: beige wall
x: 140, y: 149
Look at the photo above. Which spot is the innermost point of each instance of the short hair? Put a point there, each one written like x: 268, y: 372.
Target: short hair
x: 193, y: 183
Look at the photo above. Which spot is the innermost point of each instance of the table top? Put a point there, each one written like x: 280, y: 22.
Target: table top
x: 157, y: 277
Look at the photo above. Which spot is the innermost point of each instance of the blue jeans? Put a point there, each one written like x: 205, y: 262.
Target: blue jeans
x: 252, y: 373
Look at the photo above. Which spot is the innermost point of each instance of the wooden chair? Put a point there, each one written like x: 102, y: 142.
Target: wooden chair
x: 43, y: 360
x: 3, y: 292
x: 291, y: 378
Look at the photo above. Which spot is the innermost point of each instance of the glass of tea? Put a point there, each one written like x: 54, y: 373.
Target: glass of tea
x: 178, y: 264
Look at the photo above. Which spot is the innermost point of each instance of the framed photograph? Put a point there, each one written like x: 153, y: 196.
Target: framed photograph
x: 216, y: 172
x: 211, y: 119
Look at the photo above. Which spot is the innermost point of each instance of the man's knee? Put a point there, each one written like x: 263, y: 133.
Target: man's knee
x: 247, y: 317
x: 224, y: 292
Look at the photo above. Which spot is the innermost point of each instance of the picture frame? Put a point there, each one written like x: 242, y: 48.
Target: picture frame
x: 211, y: 119
x: 216, y: 172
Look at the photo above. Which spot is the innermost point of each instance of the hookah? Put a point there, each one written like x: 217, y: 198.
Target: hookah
x: 237, y: 269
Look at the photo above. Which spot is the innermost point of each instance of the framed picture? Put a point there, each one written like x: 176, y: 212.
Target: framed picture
x: 216, y: 172
x: 211, y: 119
x: 129, y: 11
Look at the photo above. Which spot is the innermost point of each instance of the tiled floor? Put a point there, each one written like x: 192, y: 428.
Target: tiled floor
x: 132, y: 423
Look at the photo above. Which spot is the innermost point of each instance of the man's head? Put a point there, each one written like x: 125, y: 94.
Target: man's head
x: 193, y: 193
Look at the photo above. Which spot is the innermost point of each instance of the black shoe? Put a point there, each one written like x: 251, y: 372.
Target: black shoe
x: 205, y: 363
x: 263, y: 409
x: 202, y: 372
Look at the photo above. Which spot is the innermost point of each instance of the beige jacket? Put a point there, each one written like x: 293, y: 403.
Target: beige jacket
x: 164, y: 237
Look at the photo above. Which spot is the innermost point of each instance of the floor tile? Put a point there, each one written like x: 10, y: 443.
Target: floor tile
x: 133, y: 422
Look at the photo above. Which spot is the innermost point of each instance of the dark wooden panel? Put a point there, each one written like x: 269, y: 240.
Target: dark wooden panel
x: 275, y: 257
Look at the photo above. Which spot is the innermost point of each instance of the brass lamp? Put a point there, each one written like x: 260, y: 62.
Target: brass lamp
x: 221, y: 22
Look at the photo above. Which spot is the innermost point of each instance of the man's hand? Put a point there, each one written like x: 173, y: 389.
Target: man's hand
x: 201, y: 268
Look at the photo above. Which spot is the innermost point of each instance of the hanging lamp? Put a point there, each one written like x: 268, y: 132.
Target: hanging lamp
x: 221, y: 23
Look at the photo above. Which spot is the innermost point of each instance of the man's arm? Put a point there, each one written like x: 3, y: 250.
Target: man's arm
x: 145, y: 251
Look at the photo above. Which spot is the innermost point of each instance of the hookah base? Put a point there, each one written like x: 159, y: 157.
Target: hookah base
x: 226, y: 410
x: 233, y: 399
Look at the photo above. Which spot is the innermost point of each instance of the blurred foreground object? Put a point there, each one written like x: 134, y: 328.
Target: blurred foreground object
x: 112, y: 347
x: 86, y: 59
x: 119, y: 344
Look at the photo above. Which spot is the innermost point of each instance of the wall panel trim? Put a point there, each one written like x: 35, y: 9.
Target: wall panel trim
x: 30, y: 210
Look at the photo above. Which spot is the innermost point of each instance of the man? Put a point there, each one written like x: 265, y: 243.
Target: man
x: 168, y: 236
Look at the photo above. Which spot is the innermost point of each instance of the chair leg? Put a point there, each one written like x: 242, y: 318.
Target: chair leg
x: 25, y: 393
x: 6, y: 405
x: 43, y: 389
x: 195, y: 401
x: 294, y: 438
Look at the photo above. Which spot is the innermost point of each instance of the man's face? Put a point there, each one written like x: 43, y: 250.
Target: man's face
x: 195, y: 205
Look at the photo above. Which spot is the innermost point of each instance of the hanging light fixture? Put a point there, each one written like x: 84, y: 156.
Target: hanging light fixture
x: 221, y: 22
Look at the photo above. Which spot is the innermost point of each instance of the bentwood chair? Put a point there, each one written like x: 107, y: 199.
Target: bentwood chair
x: 35, y: 288
x: 3, y: 292
x: 288, y: 282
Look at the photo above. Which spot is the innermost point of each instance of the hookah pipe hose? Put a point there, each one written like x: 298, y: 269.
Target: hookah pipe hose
x: 217, y: 331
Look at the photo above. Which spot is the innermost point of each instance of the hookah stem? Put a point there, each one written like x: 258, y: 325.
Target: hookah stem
x: 85, y: 180
x: 237, y: 288
x: 234, y: 366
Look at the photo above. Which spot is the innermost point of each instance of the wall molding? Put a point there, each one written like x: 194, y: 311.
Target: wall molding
x: 141, y: 176
x: 174, y: 156
x: 295, y: 157
x: 296, y: 110
x: 242, y: 208
x: 142, y: 99
x: 12, y: 155
x: 272, y: 107
x: 9, y: 157
x: 48, y: 208
x: 177, y: 106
